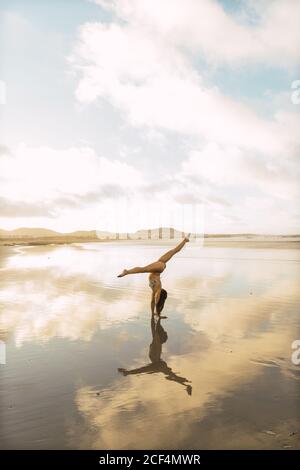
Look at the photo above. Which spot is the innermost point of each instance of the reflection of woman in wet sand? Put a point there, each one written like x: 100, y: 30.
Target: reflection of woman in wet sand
x: 159, y: 295
x: 159, y: 336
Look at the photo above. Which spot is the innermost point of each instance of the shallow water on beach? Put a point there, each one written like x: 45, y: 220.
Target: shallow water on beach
x: 87, y: 369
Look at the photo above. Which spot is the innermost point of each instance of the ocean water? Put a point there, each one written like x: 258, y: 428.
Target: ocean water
x: 87, y: 367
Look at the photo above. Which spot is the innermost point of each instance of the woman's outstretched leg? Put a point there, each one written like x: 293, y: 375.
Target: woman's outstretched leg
x: 156, y: 267
x: 167, y: 256
x: 136, y: 270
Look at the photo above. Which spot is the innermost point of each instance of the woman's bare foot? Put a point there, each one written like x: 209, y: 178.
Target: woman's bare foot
x: 187, y: 238
x: 123, y: 273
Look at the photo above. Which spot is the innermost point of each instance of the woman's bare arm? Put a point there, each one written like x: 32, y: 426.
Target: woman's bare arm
x: 153, y: 303
x: 157, y: 297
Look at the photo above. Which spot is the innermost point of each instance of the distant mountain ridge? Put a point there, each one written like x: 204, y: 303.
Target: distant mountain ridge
x: 44, y: 232
x: 27, y: 232
x: 144, y: 234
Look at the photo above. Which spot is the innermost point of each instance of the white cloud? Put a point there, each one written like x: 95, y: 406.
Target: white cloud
x: 149, y: 76
x: 74, y: 188
x: 62, y: 189
x: 231, y: 167
x: 42, y: 173
x: 146, y: 63
x: 205, y: 26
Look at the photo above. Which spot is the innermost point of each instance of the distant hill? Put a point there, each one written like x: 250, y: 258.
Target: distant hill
x: 145, y: 234
x: 164, y: 232
x: 82, y: 233
x: 29, y: 232
x: 33, y: 233
x: 43, y: 232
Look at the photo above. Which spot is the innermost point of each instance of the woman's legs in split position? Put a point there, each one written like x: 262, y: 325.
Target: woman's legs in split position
x: 158, y: 266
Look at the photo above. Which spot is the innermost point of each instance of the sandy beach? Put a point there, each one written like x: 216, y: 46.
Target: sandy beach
x: 223, y: 377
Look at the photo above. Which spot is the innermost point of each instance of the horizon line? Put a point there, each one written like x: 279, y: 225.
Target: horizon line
x: 155, y: 229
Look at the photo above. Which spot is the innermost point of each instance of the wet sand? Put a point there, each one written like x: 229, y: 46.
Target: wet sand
x: 217, y: 370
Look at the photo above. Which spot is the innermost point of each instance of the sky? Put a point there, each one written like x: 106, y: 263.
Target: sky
x: 119, y: 113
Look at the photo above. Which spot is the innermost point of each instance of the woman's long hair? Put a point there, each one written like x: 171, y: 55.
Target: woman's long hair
x: 162, y: 299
